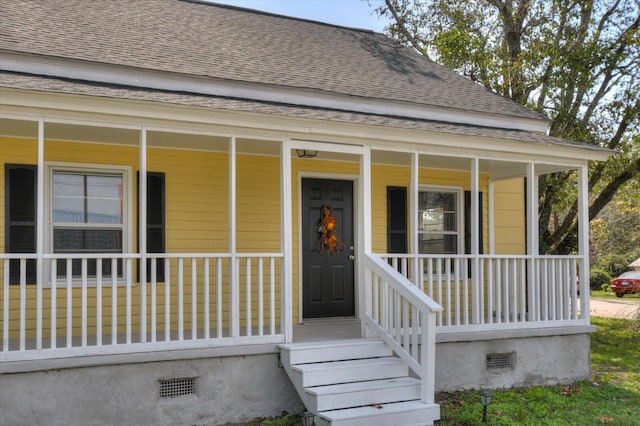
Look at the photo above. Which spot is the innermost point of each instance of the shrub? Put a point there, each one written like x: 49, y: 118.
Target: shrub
x: 606, y: 287
x: 598, y: 277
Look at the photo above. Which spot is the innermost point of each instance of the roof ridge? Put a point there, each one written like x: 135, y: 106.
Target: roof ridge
x: 277, y: 15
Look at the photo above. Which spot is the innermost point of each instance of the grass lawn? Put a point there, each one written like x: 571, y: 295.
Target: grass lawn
x: 599, y: 294
x: 611, y: 396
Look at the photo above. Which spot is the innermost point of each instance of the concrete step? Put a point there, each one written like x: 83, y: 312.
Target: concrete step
x: 347, y: 395
x: 358, y: 370
x: 410, y: 413
x: 338, y: 350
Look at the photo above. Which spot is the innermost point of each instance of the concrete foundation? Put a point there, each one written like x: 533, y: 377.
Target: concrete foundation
x: 239, y: 387
x: 531, y: 361
x: 228, y: 389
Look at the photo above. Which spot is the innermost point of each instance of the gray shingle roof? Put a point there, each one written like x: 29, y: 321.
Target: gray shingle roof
x: 237, y: 44
x: 57, y: 85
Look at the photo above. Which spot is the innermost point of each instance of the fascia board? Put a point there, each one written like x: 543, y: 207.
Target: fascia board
x: 136, y: 113
x: 150, y: 79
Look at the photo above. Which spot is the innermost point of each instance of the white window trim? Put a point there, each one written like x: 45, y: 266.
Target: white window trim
x: 458, y: 190
x: 127, y: 227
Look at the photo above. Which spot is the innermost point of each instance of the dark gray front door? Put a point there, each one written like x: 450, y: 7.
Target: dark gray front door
x: 327, y: 278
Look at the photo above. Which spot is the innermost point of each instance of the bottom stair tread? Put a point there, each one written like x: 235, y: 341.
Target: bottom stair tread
x: 410, y: 409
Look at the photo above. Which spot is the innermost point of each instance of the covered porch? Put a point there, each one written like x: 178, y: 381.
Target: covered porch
x: 237, y: 281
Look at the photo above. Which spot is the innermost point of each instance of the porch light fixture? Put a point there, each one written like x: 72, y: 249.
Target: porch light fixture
x: 307, y: 418
x: 485, y: 400
x: 306, y: 153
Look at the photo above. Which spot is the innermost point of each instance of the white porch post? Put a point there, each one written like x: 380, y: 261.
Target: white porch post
x: 142, y: 232
x: 532, y: 240
x: 477, y: 280
x: 413, y: 218
x: 583, y: 239
x: 491, y: 218
x: 234, y: 292
x: 286, y: 237
x: 39, y: 234
x: 364, y: 234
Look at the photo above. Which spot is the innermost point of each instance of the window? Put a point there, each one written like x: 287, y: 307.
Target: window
x: 439, y: 225
x: 89, y: 213
x: 88, y: 210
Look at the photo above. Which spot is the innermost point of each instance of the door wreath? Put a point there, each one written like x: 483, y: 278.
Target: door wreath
x: 328, y: 243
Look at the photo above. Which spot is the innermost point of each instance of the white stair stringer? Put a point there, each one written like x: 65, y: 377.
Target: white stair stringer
x: 356, y: 382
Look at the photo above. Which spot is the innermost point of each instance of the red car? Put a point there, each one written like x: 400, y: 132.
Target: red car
x: 626, y: 283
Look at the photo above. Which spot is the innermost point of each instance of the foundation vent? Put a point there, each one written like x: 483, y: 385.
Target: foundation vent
x: 500, y: 361
x: 173, y: 388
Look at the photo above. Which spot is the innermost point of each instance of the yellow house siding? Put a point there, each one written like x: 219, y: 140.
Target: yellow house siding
x: 196, y: 199
x: 258, y: 204
x: 509, y: 211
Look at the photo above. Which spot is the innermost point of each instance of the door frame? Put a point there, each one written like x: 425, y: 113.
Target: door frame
x: 355, y: 179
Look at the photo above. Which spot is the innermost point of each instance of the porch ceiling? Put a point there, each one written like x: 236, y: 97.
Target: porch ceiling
x: 159, y: 138
x: 496, y: 169
x: 131, y: 136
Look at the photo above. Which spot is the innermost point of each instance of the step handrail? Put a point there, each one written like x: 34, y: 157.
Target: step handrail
x: 404, y: 317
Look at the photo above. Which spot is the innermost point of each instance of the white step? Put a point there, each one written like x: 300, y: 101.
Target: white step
x: 411, y: 413
x: 359, y: 370
x: 346, y: 395
x: 304, y: 353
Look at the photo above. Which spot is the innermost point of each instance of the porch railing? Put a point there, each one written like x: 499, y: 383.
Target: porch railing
x: 403, y: 317
x: 88, y: 303
x: 493, y: 290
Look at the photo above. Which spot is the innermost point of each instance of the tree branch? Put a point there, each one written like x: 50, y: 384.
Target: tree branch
x: 401, y: 23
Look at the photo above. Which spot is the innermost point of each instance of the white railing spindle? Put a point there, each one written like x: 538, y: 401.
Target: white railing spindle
x: 98, y: 302
x: 5, y: 307
x: 205, y: 301
x: 154, y: 297
x: 69, y: 295
x: 180, y: 298
x: 194, y: 299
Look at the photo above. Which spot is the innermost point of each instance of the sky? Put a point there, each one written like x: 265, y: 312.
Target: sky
x: 348, y: 13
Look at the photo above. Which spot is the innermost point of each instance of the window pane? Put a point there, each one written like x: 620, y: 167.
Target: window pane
x: 437, y: 244
x: 104, y: 199
x: 84, y: 198
x: 87, y: 241
x: 68, y: 198
x: 437, y: 211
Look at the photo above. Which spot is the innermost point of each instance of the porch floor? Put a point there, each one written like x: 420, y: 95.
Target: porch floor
x: 329, y: 329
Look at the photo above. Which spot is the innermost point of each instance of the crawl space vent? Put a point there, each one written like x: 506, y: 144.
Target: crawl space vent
x: 173, y: 388
x: 500, y: 361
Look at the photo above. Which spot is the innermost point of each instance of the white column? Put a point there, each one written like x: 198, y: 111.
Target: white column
x: 364, y: 231
x: 142, y: 232
x: 532, y: 240
x: 233, y: 269
x: 39, y: 234
x: 477, y: 280
x: 412, y: 230
x: 583, y: 239
x: 286, y: 237
x: 491, y: 218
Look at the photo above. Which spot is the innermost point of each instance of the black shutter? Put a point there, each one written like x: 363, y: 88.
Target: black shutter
x: 20, y: 217
x: 396, y: 219
x: 467, y: 223
x: 155, y: 220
